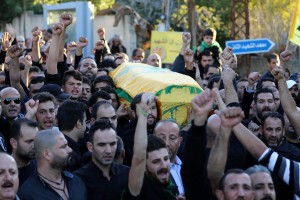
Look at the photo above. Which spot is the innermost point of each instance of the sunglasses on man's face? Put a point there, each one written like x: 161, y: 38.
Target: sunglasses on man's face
x: 7, y: 101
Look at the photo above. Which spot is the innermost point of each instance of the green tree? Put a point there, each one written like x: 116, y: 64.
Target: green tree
x: 9, y: 9
x: 271, y: 19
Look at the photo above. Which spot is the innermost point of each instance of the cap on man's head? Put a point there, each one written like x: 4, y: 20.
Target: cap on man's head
x: 56, y: 91
x: 290, y: 83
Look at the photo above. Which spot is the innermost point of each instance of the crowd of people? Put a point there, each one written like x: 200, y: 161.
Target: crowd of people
x: 65, y: 135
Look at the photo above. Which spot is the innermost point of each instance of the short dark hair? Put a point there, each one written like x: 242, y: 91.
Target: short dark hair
x: 231, y: 171
x: 210, y: 32
x: 96, y: 107
x: 260, y: 82
x: 155, y: 143
x: 211, y: 66
x: 69, y: 113
x: 49, y: 30
x: 43, y: 97
x: 106, y: 79
x: 120, y: 147
x: 34, y: 69
x: 272, y: 56
x: 86, y: 80
x: 213, y: 79
x: 37, y: 79
x: 275, y: 115
x: 263, y: 90
x: 136, y: 50
x: 71, y: 73
x: 99, y: 94
x: 17, y: 125
x: 101, y: 124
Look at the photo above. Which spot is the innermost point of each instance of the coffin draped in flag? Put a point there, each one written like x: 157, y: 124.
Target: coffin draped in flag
x: 174, y: 91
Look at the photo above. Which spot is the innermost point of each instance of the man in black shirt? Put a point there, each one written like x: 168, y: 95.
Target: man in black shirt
x: 71, y: 121
x: 104, y: 178
x: 49, y: 181
x: 22, y: 142
x: 149, y: 176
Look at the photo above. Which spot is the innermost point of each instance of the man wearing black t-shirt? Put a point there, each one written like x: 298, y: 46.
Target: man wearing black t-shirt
x: 149, y: 176
x: 103, y: 178
x: 22, y: 142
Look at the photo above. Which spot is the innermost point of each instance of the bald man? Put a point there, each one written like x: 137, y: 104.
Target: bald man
x: 9, y: 181
x: 11, y: 107
x: 154, y: 60
x: 52, y: 154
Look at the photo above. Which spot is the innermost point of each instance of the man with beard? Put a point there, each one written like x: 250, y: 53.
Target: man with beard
x: 104, y: 178
x: 127, y: 132
x: 262, y: 183
x: 11, y: 107
x: 22, y: 142
x: 88, y: 67
x: 293, y: 88
x: 73, y: 127
x: 273, y: 136
x: 9, y: 181
x: 50, y: 181
x: 42, y: 108
x: 169, y: 132
x: 149, y: 176
x: 264, y: 102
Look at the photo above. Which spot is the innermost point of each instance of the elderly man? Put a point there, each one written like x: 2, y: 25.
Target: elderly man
x: 9, y: 181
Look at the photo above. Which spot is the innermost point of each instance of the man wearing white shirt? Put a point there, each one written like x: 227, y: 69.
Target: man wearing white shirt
x: 169, y: 131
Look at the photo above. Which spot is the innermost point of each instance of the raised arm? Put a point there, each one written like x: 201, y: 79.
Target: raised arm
x: 219, y: 151
x: 194, y: 165
x: 286, y: 99
x: 250, y: 141
x: 52, y: 59
x: 66, y: 19
x: 36, y: 37
x: 178, y: 65
x: 138, y: 165
x: 14, y: 70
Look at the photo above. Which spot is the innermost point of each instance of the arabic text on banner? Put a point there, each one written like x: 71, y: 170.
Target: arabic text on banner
x: 166, y: 44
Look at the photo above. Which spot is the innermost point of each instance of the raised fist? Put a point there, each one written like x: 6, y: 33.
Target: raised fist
x: 186, y: 38
x: 101, y: 32
x: 66, y: 19
x: 82, y: 42
x: 71, y: 46
x: 100, y: 45
x: 57, y: 28
x: 14, y: 51
x: 36, y: 35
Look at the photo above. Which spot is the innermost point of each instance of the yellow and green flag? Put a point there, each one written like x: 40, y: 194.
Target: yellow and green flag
x: 294, y: 35
x: 174, y: 91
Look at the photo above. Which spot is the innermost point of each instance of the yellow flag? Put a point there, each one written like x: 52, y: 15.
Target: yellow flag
x: 294, y: 35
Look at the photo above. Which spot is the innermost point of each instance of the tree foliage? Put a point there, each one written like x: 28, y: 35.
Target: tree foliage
x: 99, y: 4
x: 9, y: 9
x: 271, y: 19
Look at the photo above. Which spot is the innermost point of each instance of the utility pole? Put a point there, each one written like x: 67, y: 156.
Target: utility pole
x: 241, y: 26
x: 192, y: 22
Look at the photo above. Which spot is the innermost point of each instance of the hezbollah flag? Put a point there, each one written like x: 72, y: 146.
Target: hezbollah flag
x: 173, y: 90
x: 294, y: 35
